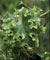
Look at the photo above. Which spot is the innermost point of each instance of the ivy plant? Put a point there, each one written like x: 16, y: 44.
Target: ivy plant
x: 19, y: 34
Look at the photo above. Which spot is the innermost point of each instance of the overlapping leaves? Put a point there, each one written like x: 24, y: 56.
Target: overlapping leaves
x: 20, y: 32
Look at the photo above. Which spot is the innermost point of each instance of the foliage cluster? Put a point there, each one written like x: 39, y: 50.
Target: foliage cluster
x: 20, y: 32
